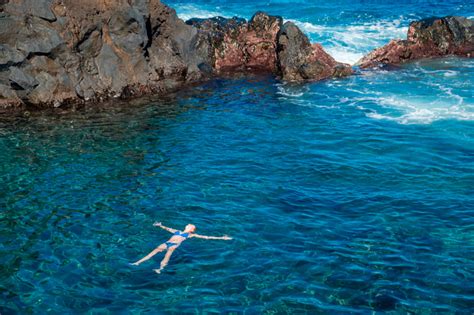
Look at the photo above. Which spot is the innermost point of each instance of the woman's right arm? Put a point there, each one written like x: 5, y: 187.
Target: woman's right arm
x: 158, y: 224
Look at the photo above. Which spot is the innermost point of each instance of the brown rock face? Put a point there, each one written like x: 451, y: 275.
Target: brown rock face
x: 266, y: 44
x: 299, y: 60
x: 261, y: 40
x: 433, y: 37
x: 238, y: 45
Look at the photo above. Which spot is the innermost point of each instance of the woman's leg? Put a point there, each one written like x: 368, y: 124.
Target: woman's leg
x: 165, y: 260
x: 160, y: 248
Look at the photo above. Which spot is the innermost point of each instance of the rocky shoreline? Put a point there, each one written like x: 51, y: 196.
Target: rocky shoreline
x: 58, y: 52
x: 433, y: 37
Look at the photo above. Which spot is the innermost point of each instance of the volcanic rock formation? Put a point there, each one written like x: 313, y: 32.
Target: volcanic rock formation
x: 265, y: 43
x: 299, y: 60
x: 434, y: 37
x: 58, y: 51
x: 54, y: 52
x: 238, y: 45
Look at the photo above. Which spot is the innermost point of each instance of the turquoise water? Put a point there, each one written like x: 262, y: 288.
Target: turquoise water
x: 343, y: 196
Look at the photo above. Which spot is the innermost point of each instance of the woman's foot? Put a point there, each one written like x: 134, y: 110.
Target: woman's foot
x: 158, y: 271
x: 134, y: 264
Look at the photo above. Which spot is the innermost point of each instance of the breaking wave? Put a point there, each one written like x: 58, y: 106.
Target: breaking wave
x: 413, y: 111
x: 442, y: 94
x: 350, y: 43
x: 189, y: 11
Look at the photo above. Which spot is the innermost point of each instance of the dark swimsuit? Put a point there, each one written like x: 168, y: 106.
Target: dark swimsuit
x: 179, y: 233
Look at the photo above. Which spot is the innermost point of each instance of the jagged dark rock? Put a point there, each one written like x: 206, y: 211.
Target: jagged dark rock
x: 55, y: 52
x: 265, y: 44
x: 239, y: 45
x: 63, y: 51
x: 300, y: 60
x: 37, y: 8
x: 433, y: 37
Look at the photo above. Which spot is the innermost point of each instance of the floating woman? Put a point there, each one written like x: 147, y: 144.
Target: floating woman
x: 174, y: 242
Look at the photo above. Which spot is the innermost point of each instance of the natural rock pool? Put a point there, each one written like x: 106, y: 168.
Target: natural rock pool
x: 342, y: 196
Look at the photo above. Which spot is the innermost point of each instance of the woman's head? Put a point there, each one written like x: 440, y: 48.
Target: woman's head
x: 190, y: 228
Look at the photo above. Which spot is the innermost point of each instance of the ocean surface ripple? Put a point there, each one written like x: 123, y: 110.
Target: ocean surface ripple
x: 343, y: 196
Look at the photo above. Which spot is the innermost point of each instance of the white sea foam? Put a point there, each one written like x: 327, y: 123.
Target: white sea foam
x: 450, y: 94
x: 425, y: 116
x: 451, y: 73
x: 414, y: 111
x: 341, y: 54
x: 349, y: 44
x: 189, y: 11
x: 311, y: 103
x: 285, y: 93
x: 309, y: 27
x: 291, y: 91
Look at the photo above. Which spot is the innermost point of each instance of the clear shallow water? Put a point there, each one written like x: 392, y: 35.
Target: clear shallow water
x: 343, y: 196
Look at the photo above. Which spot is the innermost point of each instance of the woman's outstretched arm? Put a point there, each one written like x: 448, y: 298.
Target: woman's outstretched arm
x: 164, y: 227
x: 225, y: 237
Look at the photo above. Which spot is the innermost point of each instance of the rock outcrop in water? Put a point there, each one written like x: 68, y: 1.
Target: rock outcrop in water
x: 265, y: 43
x: 240, y: 45
x: 54, y: 52
x: 299, y: 60
x: 434, y: 37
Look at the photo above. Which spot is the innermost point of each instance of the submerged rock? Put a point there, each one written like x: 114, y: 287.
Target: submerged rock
x: 433, y: 37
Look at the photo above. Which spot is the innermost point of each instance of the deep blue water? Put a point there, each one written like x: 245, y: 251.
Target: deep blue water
x: 343, y: 196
